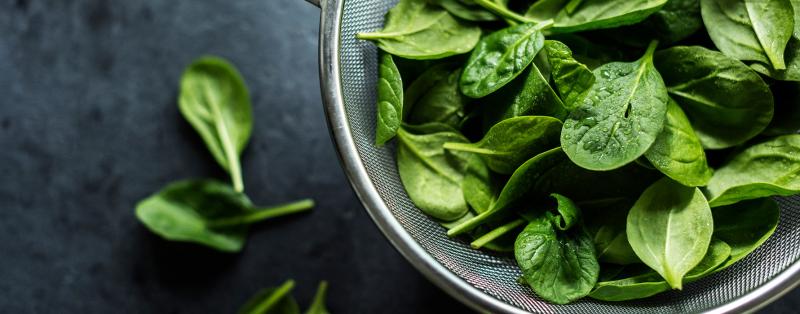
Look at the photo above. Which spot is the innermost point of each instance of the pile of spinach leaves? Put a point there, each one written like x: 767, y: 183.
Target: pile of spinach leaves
x: 618, y: 148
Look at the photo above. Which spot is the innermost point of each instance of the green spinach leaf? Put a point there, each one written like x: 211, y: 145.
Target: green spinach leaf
x: 431, y: 175
x: 677, y: 152
x: 620, y: 118
x: 272, y: 301
x: 576, y: 16
x: 481, y: 187
x: 670, y: 229
x: 207, y: 212
x: 703, y: 81
x: 500, y: 57
x: 528, y: 94
x: 390, y: 100
x: 765, y: 169
x: 606, y: 221
x: 745, y: 226
x: 557, y: 256
x: 466, y: 10
x: 511, y: 142
x: 572, y: 79
x: 442, y: 102
x: 215, y: 101
x: 318, y: 305
x: 416, y: 29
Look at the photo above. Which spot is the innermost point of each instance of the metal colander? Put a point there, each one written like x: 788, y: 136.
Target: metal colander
x: 487, y: 281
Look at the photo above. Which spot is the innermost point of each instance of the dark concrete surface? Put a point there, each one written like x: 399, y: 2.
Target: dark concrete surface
x: 89, y: 126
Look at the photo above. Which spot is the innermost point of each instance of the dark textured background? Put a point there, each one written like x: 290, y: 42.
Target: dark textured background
x: 89, y: 125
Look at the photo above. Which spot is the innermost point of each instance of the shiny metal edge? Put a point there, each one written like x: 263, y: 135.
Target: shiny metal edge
x: 333, y: 101
x: 336, y: 116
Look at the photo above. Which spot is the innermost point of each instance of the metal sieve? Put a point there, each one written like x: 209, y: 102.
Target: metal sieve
x: 482, y: 280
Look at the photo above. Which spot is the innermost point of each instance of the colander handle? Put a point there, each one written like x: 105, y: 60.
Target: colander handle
x: 314, y: 2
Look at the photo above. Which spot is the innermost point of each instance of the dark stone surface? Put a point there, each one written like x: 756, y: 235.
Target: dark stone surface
x: 89, y: 126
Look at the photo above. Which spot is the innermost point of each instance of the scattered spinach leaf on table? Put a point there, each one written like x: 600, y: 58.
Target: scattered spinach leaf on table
x: 279, y: 301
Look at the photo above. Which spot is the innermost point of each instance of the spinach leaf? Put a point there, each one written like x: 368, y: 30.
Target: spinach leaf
x: 500, y: 57
x: 416, y: 29
x: 390, y: 100
x: 215, y: 101
x: 605, y: 221
x: 765, y: 169
x: 272, y: 301
x: 480, y: 186
x: 791, y: 55
x: 423, y: 84
x: 570, y: 179
x: 745, y: 226
x: 515, y: 189
x: 207, y: 212
x: 675, y: 21
x: 318, y: 305
x: 465, y: 10
x: 528, y: 94
x: 670, y: 229
x: 651, y: 283
x: 620, y: 117
x: 590, y: 53
x: 432, y: 176
x: 511, y: 142
x: 442, y: 102
x: 702, y: 82
x: 677, y: 152
x: 572, y: 78
x: 557, y: 256
x: 750, y: 30
x: 576, y: 16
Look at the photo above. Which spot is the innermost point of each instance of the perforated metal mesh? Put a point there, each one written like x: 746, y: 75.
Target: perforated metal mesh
x: 496, y: 274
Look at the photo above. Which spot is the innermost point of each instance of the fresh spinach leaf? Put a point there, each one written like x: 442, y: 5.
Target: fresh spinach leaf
x: 557, y: 256
x: 677, y: 152
x: 621, y: 116
x: 431, y: 175
x: 650, y: 283
x: 499, y: 57
x: 390, y: 100
x: 481, y: 187
x: 670, y: 229
x: 215, y: 101
x: 318, y: 305
x: 766, y: 169
x: 576, y: 16
x: 207, y: 212
x: 750, y: 30
x: 745, y: 226
x: 703, y: 81
x: 515, y: 189
x: 442, y: 102
x: 272, y: 301
x: 416, y: 29
x: 511, y: 142
x: 572, y: 79
x: 791, y: 55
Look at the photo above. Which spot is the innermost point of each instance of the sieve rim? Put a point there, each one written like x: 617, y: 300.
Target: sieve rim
x: 350, y: 160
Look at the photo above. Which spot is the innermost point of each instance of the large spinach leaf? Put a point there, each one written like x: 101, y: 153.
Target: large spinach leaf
x: 621, y: 116
x: 416, y: 29
x: 215, y: 101
x: 511, y: 142
x: 750, y: 29
x: 557, y: 256
x: 651, y: 283
x: 442, y: 102
x: 745, y: 226
x: 576, y: 16
x: 677, y: 152
x: 432, y: 176
x: 670, y: 228
x: 765, y: 169
x: 207, y: 212
x: 390, y: 100
x: 703, y: 81
x: 571, y: 78
x: 791, y: 55
x: 500, y: 57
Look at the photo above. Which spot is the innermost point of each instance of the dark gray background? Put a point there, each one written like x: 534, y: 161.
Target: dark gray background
x: 89, y: 125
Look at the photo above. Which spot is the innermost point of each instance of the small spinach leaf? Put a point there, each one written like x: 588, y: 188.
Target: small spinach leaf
x: 390, y: 100
x: 621, y: 116
x: 558, y: 264
x: 318, y: 305
x: 432, y: 176
x: 272, y: 301
x: 416, y: 29
x: 572, y: 79
x: 677, y: 152
x: 480, y: 186
x: 500, y: 57
x: 511, y: 142
x: 765, y: 169
x: 207, y: 212
x: 215, y: 101
x: 703, y: 81
x: 670, y: 228
x: 745, y: 226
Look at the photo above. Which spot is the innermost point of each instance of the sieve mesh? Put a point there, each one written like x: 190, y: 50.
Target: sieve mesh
x: 496, y: 275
